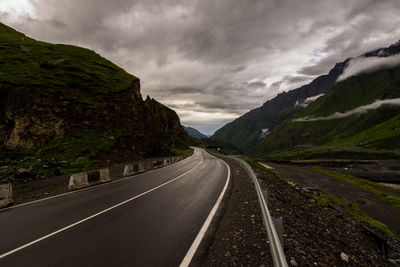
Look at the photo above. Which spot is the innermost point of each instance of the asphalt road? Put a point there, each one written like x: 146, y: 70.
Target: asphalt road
x: 151, y: 219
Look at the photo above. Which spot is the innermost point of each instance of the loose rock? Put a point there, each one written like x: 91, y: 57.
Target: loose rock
x: 344, y: 257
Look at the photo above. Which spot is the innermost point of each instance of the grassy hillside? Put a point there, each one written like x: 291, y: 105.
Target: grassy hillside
x: 372, y: 134
x: 71, y: 71
x: 245, y: 132
x: 65, y: 108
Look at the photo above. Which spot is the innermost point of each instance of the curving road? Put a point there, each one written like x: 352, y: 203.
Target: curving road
x: 151, y: 219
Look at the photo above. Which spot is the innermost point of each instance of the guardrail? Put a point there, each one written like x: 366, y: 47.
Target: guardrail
x: 278, y: 256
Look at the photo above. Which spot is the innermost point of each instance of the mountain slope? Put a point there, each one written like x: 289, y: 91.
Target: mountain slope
x: 194, y: 132
x: 245, y: 132
x: 369, y: 134
x: 248, y: 130
x: 65, y: 103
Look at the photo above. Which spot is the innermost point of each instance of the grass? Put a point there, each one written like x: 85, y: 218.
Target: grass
x: 76, y: 152
x: 254, y: 164
x: 388, y: 195
x: 69, y: 71
x: 182, y: 152
x: 366, y: 135
x: 385, y: 134
x: 83, y: 145
x: 329, y: 152
x: 349, y: 208
x: 271, y: 172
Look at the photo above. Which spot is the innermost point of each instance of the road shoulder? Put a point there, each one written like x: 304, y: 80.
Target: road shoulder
x: 238, y: 235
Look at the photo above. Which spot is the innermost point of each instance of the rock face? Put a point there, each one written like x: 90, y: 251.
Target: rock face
x: 53, y: 97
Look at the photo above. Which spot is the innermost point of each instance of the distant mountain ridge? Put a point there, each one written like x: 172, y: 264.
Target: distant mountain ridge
x: 248, y: 130
x: 194, y: 132
x: 369, y: 132
x: 245, y: 131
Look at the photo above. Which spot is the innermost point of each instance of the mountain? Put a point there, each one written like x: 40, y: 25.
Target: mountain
x: 194, y: 132
x: 250, y: 129
x: 68, y: 106
x: 246, y: 131
x: 358, y: 118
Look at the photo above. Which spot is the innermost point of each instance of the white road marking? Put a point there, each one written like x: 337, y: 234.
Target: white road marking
x: 193, y: 248
x: 84, y: 189
x: 97, y: 214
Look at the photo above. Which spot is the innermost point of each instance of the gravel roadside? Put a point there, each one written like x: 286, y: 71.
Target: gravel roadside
x: 240, y: 239
x: 321, y: 236
x: 313, y: 235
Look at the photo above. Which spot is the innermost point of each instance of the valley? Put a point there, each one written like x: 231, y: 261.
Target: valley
x: 299, y: 166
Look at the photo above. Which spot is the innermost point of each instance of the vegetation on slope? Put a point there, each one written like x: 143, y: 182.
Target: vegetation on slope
x: 245, y: 132
x: 368, y: 135
x: 386, y: 194
x: 65, y: 108
x: 349, y: 208
x: 69, y: 71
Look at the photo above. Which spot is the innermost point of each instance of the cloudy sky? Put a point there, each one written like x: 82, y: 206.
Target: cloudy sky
x: 213, y: 60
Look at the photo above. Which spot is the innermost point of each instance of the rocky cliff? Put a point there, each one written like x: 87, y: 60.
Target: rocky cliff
x: 66, y: 102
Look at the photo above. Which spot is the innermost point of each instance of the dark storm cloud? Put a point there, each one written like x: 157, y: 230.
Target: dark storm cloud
x: 257, y: 84
x: 295, y: 79
x: 313, y: 70
x: 276, y: 84
x: 214, y: 55
x: 179, y: 90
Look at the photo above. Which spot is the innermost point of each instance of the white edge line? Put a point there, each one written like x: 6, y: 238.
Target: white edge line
x: 97, y: 214
x: 86, y: 188
x: 196, y: 243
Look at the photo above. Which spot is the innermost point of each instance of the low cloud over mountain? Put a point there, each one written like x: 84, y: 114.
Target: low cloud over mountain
x: 359, y: 110
x: 219, y: 48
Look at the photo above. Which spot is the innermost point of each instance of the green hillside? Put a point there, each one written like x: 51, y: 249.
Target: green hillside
x: 246, y: 131
x: 64, y: 69
x: 375, y: 133
x: 65, y: 108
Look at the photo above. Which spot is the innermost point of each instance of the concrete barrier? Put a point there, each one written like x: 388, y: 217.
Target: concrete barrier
x: 128, y: 170
x: 104, y: 175
x: 141, y: 167
x: 131, y: 169
x: 166, y: 161
x: 93, y: 176
x: 158, y: 163
x: 78, y: 180
x: 5, y: 195
x: 85, y: 179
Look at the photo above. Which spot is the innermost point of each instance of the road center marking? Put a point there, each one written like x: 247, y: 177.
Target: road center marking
x: 99, y: 213
x: 193, y: 248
